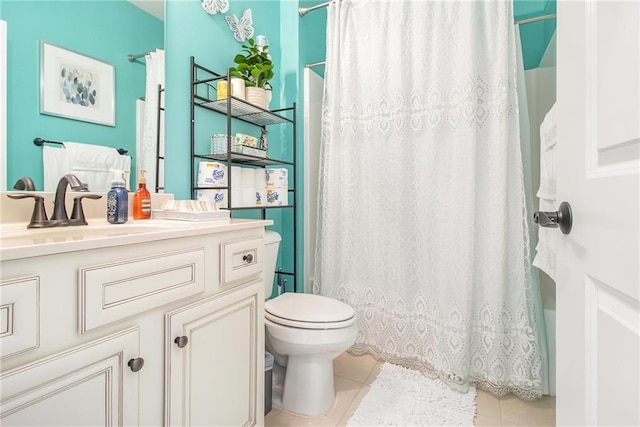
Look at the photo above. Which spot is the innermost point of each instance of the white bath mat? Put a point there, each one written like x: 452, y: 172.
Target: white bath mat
x: 404, y: 397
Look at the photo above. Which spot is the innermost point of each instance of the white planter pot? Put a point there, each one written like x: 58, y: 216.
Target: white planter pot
x: 256, y: 96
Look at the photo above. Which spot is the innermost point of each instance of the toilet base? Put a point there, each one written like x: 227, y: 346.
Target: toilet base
x: 308, y: 354
x: 312, y: 374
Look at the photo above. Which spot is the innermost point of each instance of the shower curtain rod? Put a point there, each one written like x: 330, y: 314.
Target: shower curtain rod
x: 521, y: 22
x: 536, y: 19
x: 304, y: 10
x: 315, y: 64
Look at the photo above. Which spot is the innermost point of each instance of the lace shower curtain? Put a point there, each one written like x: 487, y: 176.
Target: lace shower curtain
x: 422, y: 212
x: 147, y: 151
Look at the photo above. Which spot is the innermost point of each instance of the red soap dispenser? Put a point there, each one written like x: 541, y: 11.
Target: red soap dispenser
x: 142, y: 199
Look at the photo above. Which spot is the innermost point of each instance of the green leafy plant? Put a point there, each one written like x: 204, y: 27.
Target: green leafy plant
x: 254, y: 65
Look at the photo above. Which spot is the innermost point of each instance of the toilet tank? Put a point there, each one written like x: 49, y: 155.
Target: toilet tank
x: 272, y: 244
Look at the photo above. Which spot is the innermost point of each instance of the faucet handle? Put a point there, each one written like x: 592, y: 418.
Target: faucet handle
x: 77, y: 216
x: 39, y: 215
x: 24, y: 184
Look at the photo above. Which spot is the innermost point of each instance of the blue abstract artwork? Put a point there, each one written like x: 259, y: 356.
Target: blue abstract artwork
x: 78, y: 86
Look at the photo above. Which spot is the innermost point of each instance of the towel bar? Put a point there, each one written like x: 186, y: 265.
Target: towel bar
x: 40, y: 142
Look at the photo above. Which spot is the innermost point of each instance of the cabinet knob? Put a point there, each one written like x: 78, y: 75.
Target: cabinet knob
x: 248, y: 258
x: 181, y: 341
x: 136, y: 364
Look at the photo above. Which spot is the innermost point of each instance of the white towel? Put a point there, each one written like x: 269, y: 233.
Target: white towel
x: 546, y: 248
x: 55, y: 164
x: 548, y: 140
x: 96, y: 165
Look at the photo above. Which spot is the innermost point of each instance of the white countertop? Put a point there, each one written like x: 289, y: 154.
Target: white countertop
x: 17, y: 242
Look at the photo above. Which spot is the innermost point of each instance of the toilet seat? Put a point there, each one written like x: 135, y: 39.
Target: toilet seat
x: 309, y: 311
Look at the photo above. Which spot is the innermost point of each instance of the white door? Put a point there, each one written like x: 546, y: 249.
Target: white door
x: 598, y: 279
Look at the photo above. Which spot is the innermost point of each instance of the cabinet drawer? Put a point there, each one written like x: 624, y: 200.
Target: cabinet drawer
x: 241, y: 259
x: 19, y: 315
x: 114, y: 291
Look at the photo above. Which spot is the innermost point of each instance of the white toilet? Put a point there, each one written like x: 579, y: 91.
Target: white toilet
x: 304, y: 333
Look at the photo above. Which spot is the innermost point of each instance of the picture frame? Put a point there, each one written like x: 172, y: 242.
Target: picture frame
x: 76, y: 86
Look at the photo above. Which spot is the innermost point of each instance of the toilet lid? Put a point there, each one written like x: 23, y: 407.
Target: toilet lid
x: 309, y: 311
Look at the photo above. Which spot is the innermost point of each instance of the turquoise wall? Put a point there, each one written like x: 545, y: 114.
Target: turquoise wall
x: 105, y: 30
x: 535, y: 36
x: 192, y: 32
x: 313, y: 37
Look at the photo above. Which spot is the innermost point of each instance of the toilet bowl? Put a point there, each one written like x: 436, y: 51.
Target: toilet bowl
x: 304, y: 333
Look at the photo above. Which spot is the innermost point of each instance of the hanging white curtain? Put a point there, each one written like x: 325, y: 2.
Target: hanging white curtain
x: 148, y: 147
x: 422, y: 212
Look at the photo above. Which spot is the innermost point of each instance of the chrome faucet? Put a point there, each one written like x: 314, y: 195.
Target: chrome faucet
x: 60, y: 216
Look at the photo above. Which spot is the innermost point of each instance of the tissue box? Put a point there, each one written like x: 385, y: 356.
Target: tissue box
x: 219, y: 145
x: 246, y: 140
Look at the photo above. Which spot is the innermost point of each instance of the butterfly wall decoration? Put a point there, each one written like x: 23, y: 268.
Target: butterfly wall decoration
x: 215, y: 6
x: 242, y: 28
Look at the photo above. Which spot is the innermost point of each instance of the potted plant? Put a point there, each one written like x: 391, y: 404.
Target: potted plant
x: 254, y: 66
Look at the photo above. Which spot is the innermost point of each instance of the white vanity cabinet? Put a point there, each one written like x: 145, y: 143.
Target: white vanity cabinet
x: 214, y: 368
x: 89, y: 385
x: 89, y: 336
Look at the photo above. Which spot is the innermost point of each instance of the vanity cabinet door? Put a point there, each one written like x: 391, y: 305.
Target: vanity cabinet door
x: 215, y: 360
x: 89, y: 385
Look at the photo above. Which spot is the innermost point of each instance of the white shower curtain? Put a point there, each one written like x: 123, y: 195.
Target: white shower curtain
x: 422, y: 223
x: 147, y: 149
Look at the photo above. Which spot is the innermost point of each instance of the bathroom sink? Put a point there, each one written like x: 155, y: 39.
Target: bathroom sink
x: 12, y: 236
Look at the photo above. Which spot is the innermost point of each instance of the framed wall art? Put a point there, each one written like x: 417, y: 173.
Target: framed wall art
x: 76, y: 86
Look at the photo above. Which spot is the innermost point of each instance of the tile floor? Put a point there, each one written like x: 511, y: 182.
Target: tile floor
x: 354, y: 374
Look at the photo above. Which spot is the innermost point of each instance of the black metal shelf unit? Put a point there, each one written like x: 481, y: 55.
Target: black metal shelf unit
x: 204, y: 95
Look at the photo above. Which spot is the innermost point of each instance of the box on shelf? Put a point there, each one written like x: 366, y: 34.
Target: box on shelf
x: 277, y: 177
x: 212, y: 174
x: 277, y: 196
x: 253, y: 151
x: 218, y: 196
x: 219, y: 145
x: 246, y: 140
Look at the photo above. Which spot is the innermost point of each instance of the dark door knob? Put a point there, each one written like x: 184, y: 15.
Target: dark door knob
x: 562, y: 218
x: 136, y: 364
x: 248, y: 258
x: 181, y: 341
